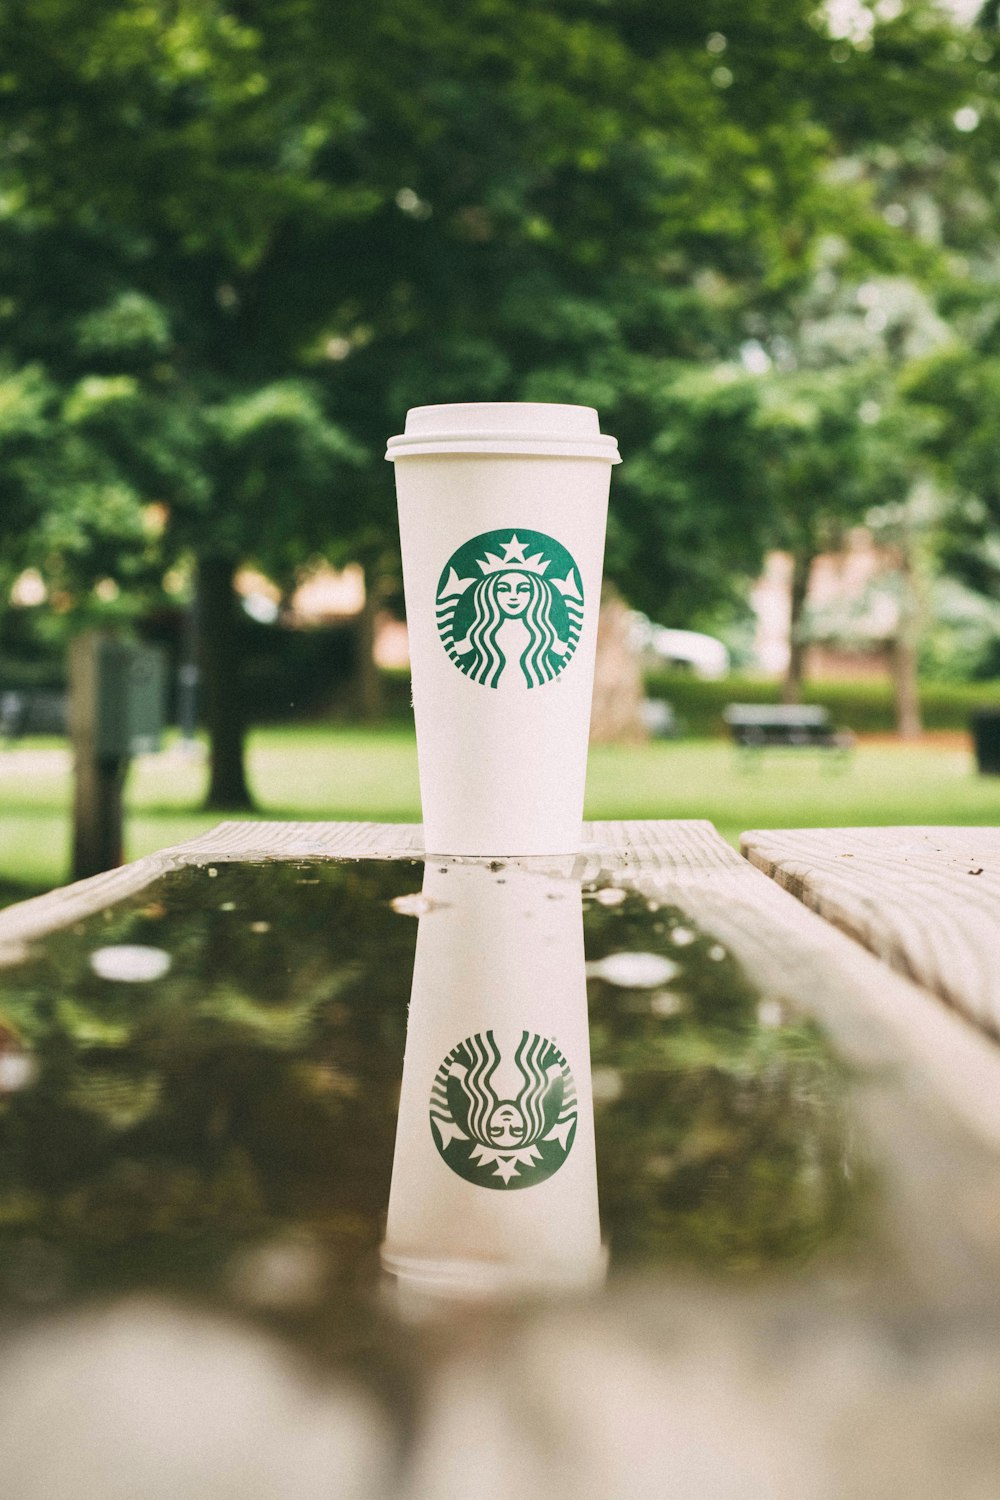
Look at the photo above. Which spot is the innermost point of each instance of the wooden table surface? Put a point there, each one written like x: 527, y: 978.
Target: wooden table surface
x: 925, y: 900
x: 866, y: 1367
x: 877, y: 878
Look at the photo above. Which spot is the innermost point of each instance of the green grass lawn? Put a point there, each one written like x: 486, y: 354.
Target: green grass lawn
x: 326, y: 773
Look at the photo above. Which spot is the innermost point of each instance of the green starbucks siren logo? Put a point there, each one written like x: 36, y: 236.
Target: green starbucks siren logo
x: 509, y: 600
x: 502, y: 1142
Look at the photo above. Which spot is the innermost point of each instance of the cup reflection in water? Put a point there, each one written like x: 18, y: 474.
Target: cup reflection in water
x: 494, y: 1181
x: 502, y: 515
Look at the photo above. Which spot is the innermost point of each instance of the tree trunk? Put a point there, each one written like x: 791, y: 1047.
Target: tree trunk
x: 905, y: 687
x: 221, y: 675
x: 98, y: 814
x: 189, y: 675
x: 368, y: 679
x: 616, y: 715
x: 791, y: 691
x: 99, y: 770
x: 905, y: 652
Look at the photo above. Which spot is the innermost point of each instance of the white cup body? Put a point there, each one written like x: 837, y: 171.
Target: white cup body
x: 502, y: 756
x: 499, y: 956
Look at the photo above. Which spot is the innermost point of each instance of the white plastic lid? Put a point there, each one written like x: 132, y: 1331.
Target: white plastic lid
x: 537, y: 428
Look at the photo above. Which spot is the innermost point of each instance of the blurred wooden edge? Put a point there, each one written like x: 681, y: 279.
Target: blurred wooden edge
x: 925, y: 900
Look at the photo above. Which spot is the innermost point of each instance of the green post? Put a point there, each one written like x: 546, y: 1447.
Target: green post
x: 116, y: 711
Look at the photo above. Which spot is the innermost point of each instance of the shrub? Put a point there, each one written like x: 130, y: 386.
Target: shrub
x: 865, y: 706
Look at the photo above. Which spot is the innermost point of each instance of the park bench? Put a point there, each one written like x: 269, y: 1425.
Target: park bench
x: 798, y: 1148
x: 791, y: 726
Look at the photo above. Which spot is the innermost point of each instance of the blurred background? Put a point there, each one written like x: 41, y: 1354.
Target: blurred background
x: 238, y: 241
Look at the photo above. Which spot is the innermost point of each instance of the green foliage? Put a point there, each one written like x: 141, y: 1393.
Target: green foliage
x: 237, y: 243
x: 961, y: 387
x: 738, y: 1127
x: 25, y: 430
x: 251, y: 1091
x: 132, y: 325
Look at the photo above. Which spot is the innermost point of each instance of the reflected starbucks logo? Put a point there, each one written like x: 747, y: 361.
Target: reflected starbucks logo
x: 510, y: 605
x: 496, y: 1141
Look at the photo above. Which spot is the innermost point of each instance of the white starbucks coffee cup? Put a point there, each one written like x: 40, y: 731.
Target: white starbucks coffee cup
x: 502, y: 517
x: 494, y: 1178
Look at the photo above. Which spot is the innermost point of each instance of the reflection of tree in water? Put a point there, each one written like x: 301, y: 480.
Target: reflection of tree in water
x: 723, y: 1139
x: 251, y: 1090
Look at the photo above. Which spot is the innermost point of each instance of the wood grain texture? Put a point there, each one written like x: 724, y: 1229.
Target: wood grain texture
x: 608, y: 845
x: 879, y: 1021
x: 819, y: 1383
x: 28, y: 920
x: 925, y: 900
x: 876, y: 1018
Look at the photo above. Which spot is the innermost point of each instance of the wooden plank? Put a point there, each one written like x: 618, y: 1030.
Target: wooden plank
x: 654, y: 845
x: 875, y: 1017
x: 651, y: 845
x: 26, y: 921
x: 925, y: 900
x: 827, y: 1381
x: 878, y: 1019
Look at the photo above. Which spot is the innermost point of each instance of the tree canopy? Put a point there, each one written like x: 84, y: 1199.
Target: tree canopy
x: 238, y: 241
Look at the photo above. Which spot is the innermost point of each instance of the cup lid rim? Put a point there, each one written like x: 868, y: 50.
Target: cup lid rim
x: 541, y: 428
x: 542, y: 446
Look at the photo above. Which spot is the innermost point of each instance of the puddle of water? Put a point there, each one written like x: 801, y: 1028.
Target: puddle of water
x: 214, y: 1064
x: 245, y: 1092
x: 725, y: 1140
x: 199, y: 1092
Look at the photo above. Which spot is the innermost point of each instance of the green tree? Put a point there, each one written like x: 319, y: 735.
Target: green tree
x: 838, y: 441
x: 269, y: 230
x: 162, y: 174
x: 939, y: 181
